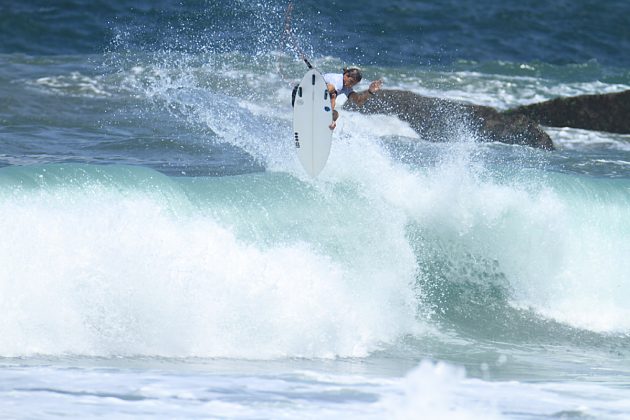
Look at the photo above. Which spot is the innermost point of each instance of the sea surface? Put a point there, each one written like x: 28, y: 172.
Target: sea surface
x: 163, y: 254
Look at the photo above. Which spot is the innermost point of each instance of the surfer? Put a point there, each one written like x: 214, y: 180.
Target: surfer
x: 342, y: 84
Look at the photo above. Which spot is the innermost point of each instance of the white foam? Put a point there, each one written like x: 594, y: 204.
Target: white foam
x: 499, y: 91
x: 101, y: 273
x: 577, y: 139
x: 433, y: 391
x: 429, y: 391
x: 551, y: 245
x: 562, y: 251
x: 73, y: 84
x: 560, y: 241
x: 374, y: 126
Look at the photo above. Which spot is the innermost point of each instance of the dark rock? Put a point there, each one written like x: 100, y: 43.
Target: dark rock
x: 511, y: 129
x: 604, y: 112
x: 437, y: 119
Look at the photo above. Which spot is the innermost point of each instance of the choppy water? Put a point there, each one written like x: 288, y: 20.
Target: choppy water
x: 163, y: 255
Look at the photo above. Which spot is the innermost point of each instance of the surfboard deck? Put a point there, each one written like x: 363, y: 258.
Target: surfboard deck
x: 312, y: 116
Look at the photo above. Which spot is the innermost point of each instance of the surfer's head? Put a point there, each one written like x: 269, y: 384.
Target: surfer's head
x: 351, y: 76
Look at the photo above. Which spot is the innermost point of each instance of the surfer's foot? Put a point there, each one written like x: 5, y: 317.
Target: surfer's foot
x: 333, y: 125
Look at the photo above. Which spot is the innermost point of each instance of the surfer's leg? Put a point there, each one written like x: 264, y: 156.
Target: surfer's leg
x: 335, y: 115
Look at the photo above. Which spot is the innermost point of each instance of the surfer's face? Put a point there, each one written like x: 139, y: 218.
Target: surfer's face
x: 349, y: 81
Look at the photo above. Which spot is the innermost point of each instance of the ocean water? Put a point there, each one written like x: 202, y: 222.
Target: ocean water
x: 163, y: 254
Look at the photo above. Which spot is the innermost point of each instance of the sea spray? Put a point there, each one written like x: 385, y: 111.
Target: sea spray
x: 549, y: 240
x: 471, y: 215
x: 516, y: 227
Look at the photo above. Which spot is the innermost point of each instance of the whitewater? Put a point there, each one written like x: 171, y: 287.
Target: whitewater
x: 163, y: 254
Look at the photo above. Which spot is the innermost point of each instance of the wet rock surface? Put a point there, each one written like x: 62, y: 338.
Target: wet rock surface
x: 437, y: 119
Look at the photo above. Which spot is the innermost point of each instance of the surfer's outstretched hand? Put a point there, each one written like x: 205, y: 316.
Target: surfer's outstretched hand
x: 375, y: 86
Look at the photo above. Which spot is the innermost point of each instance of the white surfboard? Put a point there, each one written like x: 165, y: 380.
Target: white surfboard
x: 312, y: 117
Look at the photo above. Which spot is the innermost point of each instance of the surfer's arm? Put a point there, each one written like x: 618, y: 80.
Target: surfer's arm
x: 333, y: 95
x: 333, y: 101
x: 361, y: 98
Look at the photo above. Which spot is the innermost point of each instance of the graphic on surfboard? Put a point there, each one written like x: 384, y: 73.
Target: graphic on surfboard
x: 312, y: 117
